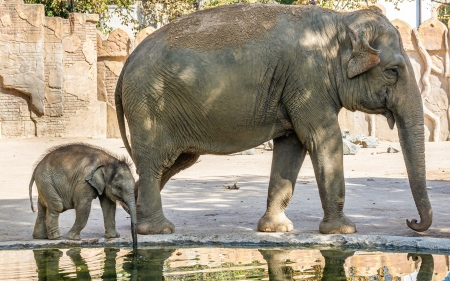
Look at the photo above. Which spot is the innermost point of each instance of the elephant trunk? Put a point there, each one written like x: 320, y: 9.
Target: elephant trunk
x: 408, y: 113
x: 130, y: 202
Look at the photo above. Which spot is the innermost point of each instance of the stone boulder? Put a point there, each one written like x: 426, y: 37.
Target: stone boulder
x: 350, y: 148
x: 369, y: 142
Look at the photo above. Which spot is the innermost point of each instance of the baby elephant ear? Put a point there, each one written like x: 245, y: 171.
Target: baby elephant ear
x: 363, y: 57
x: 96, y: 178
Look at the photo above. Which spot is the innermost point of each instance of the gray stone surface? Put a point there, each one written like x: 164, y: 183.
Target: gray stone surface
x: 205, y: 213
x: 369, y: 142
x: 393, y: 149
x: 350, y: 148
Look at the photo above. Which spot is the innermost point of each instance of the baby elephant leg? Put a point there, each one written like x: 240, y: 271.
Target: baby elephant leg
x: 109, y: 216
x: 82, y: 210
x: 40, y: 228
x: 52, y: 224
x: 54, y: 208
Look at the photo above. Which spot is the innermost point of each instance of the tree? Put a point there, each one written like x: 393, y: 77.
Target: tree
x: 62, y: 8
x: 161, y: 12
x: 344, y: 5
x: 339, y: 5
x: 214, y: 3
x: 443, y: 11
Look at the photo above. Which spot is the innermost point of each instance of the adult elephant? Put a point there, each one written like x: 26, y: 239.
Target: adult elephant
x: 227, y: 79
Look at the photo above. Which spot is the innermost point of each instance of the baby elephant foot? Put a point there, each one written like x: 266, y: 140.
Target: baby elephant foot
x: 40, y: 233
x: 72, y: 235
x: 112, y: 234
x: 162, y: 226
x: 275, y: 223
x: 337, y: 225
x: 55, y: 234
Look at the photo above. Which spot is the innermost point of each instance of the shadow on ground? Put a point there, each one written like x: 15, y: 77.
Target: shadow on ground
x: 378, y: 206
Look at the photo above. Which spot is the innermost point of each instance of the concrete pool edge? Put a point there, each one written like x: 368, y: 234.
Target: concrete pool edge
x: 367, y: 242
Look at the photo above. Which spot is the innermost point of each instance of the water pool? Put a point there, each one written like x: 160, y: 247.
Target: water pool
x: 216, y: 263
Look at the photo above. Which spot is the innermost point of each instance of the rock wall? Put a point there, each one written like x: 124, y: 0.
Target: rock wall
x: 112, y: 53
x: 48, y: 74
x: 58, y: 76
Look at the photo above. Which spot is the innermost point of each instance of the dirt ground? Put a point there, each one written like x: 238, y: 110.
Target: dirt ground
x: 378, y: 198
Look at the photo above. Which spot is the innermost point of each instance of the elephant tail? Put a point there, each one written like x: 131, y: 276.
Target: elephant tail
x: 120, y: 113
x: 31, y: 190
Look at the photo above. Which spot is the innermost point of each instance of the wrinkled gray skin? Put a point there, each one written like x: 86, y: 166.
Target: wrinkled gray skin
x: 194, y: 87
x: 70, y: 177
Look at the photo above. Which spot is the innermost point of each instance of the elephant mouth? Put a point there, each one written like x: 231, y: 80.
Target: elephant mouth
x: 390, y: 118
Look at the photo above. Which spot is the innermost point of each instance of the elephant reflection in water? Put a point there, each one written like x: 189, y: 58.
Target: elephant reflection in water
x: 148, y: 264
x: 279, y: 270
x: 333, y: 270
x: 47, y: 262
x: 426, y: 267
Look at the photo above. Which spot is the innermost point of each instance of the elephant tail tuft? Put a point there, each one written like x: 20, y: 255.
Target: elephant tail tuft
x: 31, y: 191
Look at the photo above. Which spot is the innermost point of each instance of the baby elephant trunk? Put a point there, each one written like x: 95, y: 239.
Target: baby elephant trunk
x: 130, y: 202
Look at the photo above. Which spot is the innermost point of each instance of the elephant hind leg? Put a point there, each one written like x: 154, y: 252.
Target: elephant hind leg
x: 150, y: 216
x: 288, y: 156
x: 184, y: 161
x: 40, y: 228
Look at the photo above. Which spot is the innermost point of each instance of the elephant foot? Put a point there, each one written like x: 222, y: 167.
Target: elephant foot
x: 72, y: 235
x: 163, y: 226
x: 52, y: 235
x: 275, y: 223
x: 112, y: 234
x: 339, y: 225
x: 40, y: 233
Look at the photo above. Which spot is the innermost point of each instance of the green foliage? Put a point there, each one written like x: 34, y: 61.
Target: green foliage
x: 340, y: 5
x: 160, y: 12
x: 215, y: 3
x: 444, y: 14
x: 286, y: 2
x: 53, y: 8
x: 61, y: 8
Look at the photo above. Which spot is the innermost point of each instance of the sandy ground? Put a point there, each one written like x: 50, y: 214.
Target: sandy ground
x: 378, y: 198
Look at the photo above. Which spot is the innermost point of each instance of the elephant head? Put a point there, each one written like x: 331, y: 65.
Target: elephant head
x: 380, y: 79
x: 117, y: 182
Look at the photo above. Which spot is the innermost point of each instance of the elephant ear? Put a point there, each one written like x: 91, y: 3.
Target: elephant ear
x: 363, y: 57
x: 96, y: 179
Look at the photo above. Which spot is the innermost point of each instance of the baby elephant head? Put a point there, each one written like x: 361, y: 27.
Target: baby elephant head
x: 116, y: 181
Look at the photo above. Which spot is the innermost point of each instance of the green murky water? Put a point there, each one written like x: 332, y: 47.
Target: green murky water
x: 213, y: 263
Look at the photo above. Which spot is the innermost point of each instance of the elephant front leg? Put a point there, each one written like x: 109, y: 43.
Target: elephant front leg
x: 109, y: 216
x: 326, y: 149
x: 82, y: 211
x: 288, y: 156
x: 151, y: 219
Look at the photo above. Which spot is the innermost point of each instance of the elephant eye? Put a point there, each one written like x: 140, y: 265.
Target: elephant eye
x: 392, y: 72
x: 119, y: 188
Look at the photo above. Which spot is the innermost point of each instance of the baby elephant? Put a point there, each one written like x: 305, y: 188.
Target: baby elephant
x: 70, y: 177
